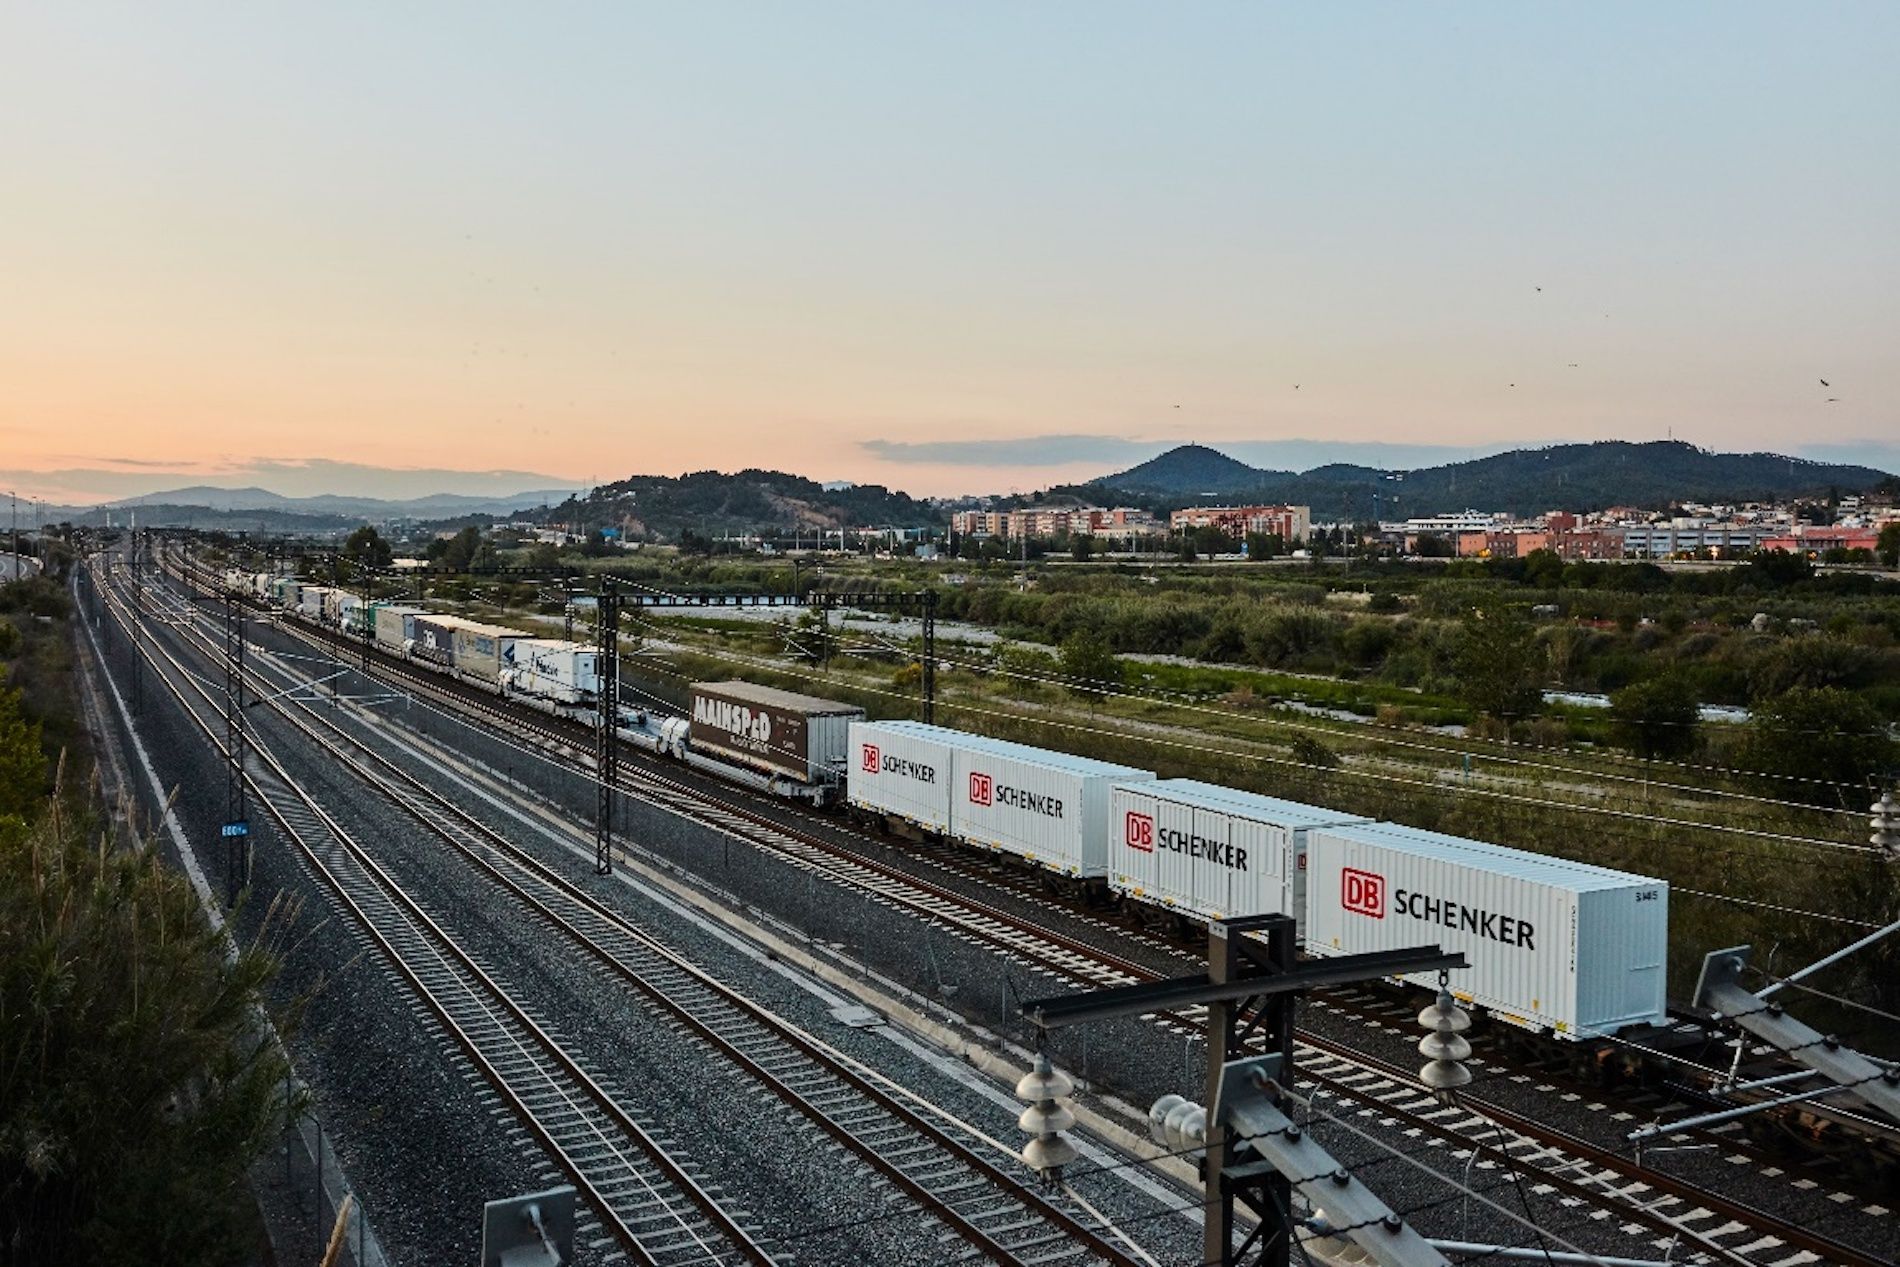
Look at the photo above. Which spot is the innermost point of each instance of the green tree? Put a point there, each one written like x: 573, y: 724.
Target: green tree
x: 1811, y: 661
x: 137, y: 1090
x: 1090, y: 666
x: 1081, y: 546
x: 1772, y: 569
x: 1827, y: 734
x: 1212, y: 541
x: 1656, y: 718
x: 22, y: 762
x: 458, y: 552
x: 1497, y: 665
x: 1543, y: 569
x: 1262, y: 546
x: 1887, y: 545
x: 366, y: 546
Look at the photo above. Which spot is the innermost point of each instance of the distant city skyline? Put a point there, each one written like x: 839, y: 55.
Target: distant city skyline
x: 949, y: 250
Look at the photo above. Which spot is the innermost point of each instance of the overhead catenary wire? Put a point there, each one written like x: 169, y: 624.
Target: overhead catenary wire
x: 1183, y: 1207
x: 1374, y: 723
x: 1629, y: 815
x: 1687, y: 892
x: 1727, y: 898
x: 1126, y: 692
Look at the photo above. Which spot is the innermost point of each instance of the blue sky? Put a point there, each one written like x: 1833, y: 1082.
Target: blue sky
x: 595, y: 239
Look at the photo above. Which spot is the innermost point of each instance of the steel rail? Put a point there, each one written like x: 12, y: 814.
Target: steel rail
x: 541, y: 889
x: 510, y: 1028
x: 996, y: 1233
x: 1104, y: 967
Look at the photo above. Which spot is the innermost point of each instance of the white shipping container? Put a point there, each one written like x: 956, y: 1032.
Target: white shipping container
x: 387, y: 619
x: 310, y: 600
x: 902, y: 768
x: 1048, y: 808
x: 550, y: 668
x: 1213, y: 852
x: 1553, y: 944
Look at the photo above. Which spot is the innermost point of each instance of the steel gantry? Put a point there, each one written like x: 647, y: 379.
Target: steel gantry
x: 1251, y: 1159
x: 922, y: 603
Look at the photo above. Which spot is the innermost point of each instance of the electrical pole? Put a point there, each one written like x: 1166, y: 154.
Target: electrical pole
x: 930, y: 657
x: 237, y: 828
x: 365, y: 618
x: 138, y: 616
x: 606, y: 736
x: 1253, y: 1166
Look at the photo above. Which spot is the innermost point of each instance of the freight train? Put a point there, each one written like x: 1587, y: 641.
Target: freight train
x: 1557, y: 948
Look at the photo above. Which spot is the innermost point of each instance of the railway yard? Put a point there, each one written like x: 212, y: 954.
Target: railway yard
x: 775, y: 1033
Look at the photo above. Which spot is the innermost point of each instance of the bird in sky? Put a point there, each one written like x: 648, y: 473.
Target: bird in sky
x: 1832, y: 399
x: 1825, y: 383
x: 1296, y: 387
x: 1540, y: 290
x: 1514, y: 384
x: 1573, y: 365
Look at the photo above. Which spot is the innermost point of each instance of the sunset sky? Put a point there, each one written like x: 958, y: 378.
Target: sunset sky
x: 952, y: 248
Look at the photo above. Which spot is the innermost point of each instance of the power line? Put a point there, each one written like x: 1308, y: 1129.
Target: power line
x: 1127, y: 692
x: 1493, y: 794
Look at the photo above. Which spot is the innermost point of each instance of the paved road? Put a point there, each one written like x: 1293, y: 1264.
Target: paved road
x: 15, y: 566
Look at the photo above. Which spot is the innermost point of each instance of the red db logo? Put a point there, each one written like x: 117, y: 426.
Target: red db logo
x: 1139, y: 831
x: 1362, y: 892
x: 870, y: 762
x: 979, y: 789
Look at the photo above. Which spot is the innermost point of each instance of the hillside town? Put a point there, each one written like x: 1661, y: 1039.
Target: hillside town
x: 1847, y: 531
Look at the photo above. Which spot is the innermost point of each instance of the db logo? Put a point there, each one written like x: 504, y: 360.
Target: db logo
x: 979, y: 789
x: 1139, y: 831
x: 1362, y: 892
x: 871, y: 758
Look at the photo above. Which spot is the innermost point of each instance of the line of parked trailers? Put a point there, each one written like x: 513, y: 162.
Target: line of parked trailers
x: 1556, y: 947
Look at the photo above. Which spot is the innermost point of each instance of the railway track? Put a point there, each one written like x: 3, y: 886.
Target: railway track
x: 1716, y: 1227
x: 656, y: 1208
x: 939, y: 1163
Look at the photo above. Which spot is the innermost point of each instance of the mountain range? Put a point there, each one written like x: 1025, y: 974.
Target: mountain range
x: 434, y: 506
x: 1580, y: 477
x: 230, y: 506
x: 1595, y: 476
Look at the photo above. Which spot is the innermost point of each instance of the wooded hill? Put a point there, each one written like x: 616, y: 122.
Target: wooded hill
x: 1523, y: 481
x: 658, y: 507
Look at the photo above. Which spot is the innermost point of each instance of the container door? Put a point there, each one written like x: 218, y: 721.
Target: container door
x: 1131, y: 853
x: 1254, y: 870
x: 1174, y: 870
x: 1221, y: 886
